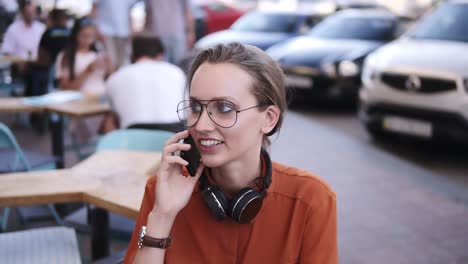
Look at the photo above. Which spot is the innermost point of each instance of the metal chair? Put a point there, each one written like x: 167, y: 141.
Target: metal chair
x: 13, y: 159
x: 41, y: 246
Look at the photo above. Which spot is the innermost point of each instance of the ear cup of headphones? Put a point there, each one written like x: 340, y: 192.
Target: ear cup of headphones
x: 245, y: 205
x: 216, y: 200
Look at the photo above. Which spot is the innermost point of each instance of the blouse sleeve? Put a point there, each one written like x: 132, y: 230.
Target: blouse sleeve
x: 146, y: 207
x: 320, y: 237
x: 8, y: 45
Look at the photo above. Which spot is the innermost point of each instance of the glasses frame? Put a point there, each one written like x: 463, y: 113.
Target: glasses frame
x: 205, y: 105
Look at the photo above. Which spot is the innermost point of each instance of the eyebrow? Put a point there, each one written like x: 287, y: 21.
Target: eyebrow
x: 227, y: 98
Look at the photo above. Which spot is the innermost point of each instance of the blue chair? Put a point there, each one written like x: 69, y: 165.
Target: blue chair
x: 122, y: 139
x: 134, y: 139
x: 14, y: 159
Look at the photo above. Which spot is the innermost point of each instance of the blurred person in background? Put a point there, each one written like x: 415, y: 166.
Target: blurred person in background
x: 55, y: 38
x: 21, y: 41
x: 113, y: 21
x: 172, y: 21
x: 40, y: 73
x: 145, y: 93
x: 22, y: 37
x: 81, y: 67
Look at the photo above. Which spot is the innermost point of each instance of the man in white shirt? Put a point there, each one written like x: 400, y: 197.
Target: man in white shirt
x: 114, y: 24
x: 145, y: 94
x: 22, y: 37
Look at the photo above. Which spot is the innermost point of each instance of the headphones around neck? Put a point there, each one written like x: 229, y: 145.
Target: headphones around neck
x: 244, y: 205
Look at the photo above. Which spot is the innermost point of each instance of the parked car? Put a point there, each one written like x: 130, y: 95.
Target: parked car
x: 418, y: 85
x: 262, y: 29
x: 326, y: 63
x: 214, y: 16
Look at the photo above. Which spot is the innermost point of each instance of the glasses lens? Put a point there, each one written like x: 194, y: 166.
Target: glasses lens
x: 223, y: 113
x: 189, y: 112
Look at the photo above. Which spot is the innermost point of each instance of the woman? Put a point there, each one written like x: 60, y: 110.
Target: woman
x: 237, y: 99
x: 80, y: 67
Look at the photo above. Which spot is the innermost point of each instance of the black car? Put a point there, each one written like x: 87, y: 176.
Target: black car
x: 262, y: 29
x: 325, y: 64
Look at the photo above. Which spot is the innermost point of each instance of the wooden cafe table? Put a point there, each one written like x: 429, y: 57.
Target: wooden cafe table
x: 73, y: 109
x: 15, y: 105
x: 111, y: 180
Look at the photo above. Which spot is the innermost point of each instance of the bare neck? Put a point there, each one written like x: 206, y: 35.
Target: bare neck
x: 238, y: 174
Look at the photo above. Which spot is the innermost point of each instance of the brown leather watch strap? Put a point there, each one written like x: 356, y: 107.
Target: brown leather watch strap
x: 157, y: 242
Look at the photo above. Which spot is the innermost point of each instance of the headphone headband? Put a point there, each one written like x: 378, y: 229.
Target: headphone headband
x: 245, y: 204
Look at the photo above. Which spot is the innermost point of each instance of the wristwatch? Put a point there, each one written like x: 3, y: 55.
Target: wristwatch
x: 147, y: 241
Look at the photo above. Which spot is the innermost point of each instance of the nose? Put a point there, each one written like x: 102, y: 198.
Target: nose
x: 204, y: 122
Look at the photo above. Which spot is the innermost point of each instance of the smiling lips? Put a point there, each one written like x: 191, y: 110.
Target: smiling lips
x: 209, y: 142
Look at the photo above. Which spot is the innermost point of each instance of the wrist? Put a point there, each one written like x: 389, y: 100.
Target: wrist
x: 159, y: 225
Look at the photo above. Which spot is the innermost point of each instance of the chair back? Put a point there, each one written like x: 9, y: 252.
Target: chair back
x: 134, y: 139
x: 9, y: 146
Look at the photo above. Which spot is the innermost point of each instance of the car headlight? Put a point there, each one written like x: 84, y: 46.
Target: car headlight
x: 348, y: 68
x: 329, y: 69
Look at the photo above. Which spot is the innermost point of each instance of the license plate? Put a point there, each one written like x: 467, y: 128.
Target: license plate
x: 408, y: 126
x: 299, y: 81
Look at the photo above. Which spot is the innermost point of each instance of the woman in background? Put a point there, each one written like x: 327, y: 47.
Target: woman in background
x: 81, y: 67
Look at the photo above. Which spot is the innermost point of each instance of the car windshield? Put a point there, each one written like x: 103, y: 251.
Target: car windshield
x: 265, y: 22
x: 341, y: 27
x: 449, y: 22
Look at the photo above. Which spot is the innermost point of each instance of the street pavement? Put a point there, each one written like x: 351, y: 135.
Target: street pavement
x: 389, y: 210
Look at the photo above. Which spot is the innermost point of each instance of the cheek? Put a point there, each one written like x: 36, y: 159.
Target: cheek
x: 246, y: 130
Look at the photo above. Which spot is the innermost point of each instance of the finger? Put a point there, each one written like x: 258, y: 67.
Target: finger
x: 170, y: 149
x: 177, y: 137
x: 176, y: 160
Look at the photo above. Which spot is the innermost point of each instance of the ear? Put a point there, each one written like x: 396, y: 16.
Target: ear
x: 272, y: 114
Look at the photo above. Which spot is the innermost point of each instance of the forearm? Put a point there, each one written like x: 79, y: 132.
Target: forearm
x: 159, y: 226
x: 74, y: 84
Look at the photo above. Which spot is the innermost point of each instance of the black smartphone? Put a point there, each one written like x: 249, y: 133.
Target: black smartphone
x: 192, y: 156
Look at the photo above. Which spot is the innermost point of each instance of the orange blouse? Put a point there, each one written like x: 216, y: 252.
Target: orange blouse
x: 297, y: 224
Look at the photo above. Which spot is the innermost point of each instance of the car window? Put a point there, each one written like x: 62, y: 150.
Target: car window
x: 449, y: 22
x: 366, y: 28
x: 266, y: 22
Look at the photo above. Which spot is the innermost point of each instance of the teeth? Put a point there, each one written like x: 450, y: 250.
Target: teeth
x: 209, y: 143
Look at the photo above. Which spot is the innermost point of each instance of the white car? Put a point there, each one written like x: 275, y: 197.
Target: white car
x: 418, y: 84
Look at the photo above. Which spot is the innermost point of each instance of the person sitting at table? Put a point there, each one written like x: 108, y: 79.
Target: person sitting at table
x: 81, y: 67
x: 143, y: 94
x: 21, y: 41
x: 239, y: 207
x: 22, y: 37
x: 54, y: 39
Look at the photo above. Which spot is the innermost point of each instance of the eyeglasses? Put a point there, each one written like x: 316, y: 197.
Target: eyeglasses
x: 222, y: 112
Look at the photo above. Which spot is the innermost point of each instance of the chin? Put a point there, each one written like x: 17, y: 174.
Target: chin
x: 212, y: 161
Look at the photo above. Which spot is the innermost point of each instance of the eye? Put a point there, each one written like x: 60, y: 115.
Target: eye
x: 195, y: 107
x: 225, y: 107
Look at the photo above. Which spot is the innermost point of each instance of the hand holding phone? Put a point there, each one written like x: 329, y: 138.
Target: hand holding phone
x: 192, y: 156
